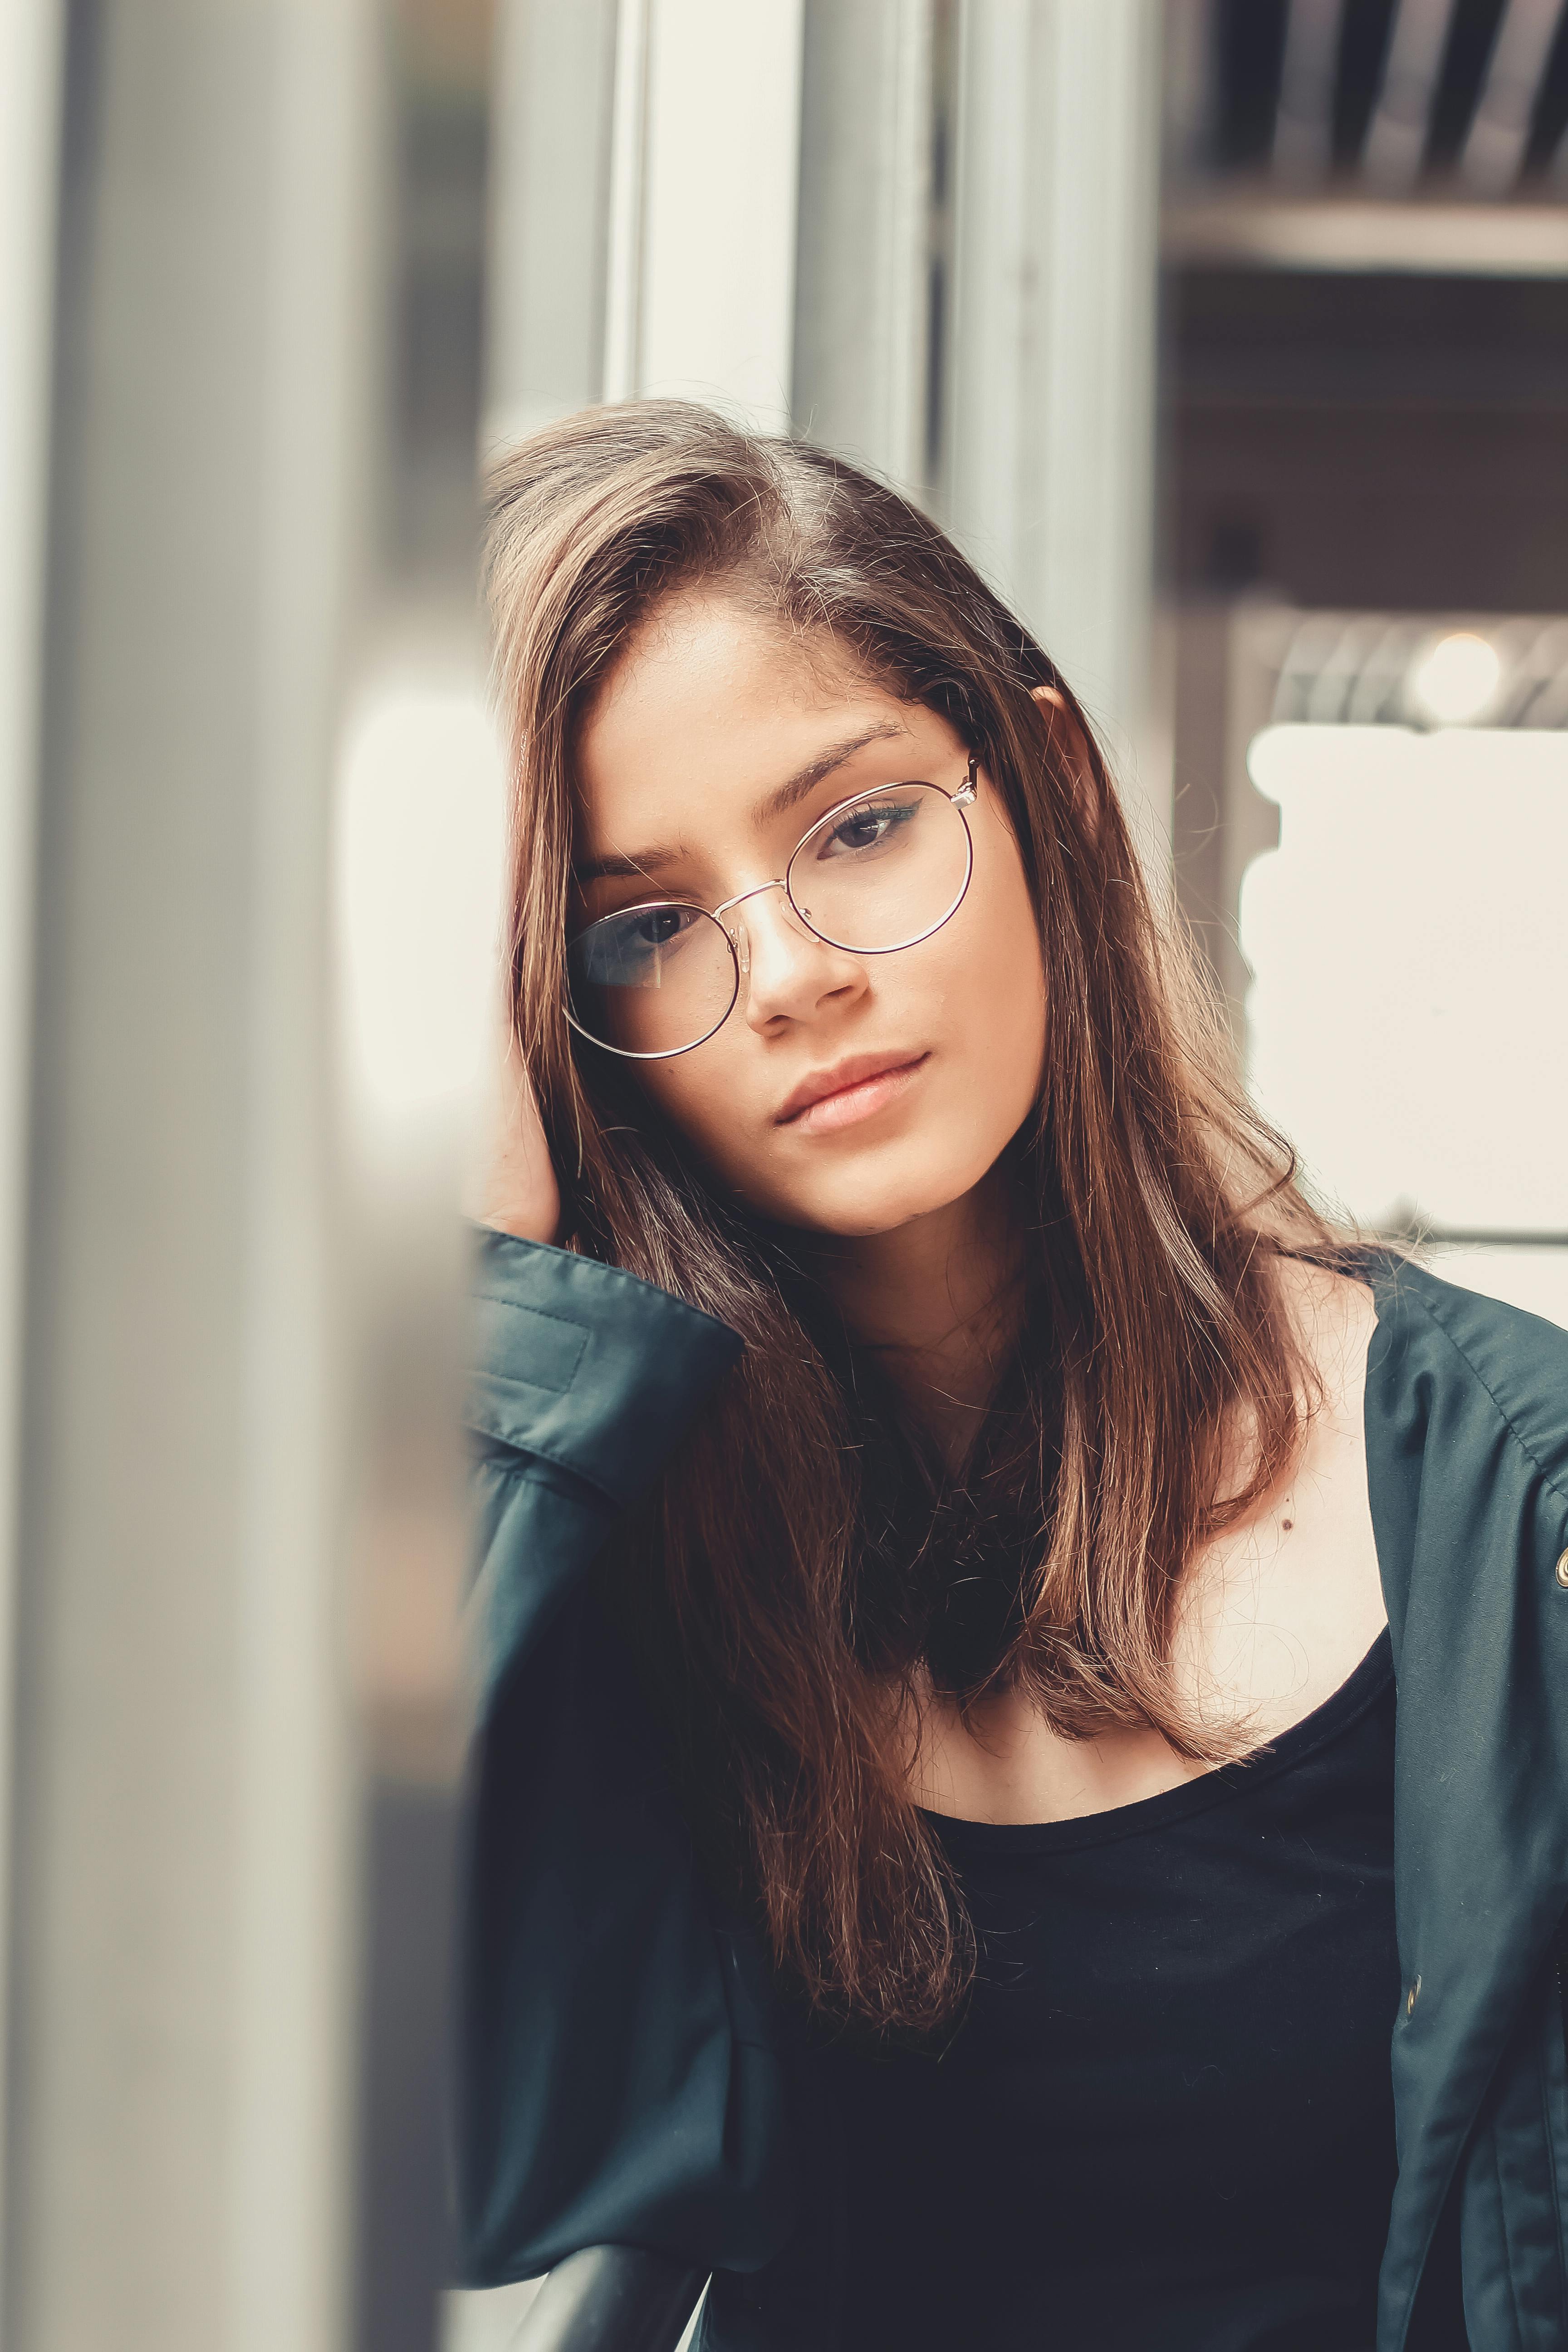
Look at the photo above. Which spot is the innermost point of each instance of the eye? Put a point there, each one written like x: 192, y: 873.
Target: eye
x: 656, y: 926
x: 869, y: 825
x: 625, y: 951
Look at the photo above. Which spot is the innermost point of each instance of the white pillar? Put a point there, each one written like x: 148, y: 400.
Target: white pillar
x: 1051, y: 438
x: 554, y: 79
x: 184, y: 1894
x: 30, y: 45
x: 704, y: 174
x: 863, y: 296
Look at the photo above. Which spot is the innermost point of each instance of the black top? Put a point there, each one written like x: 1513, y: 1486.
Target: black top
x: 1167, y: 2118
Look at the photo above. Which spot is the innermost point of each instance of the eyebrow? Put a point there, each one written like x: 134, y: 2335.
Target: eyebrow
x: 784, y: 797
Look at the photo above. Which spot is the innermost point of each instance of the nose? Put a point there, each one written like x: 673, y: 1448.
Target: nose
x: 787, y: 973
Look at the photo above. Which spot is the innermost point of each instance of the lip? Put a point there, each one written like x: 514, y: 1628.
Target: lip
x: 851, y: 1090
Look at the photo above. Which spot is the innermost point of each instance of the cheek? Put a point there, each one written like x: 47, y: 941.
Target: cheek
x: 996, y: 1057
x: 1001, y: 973
x: 699, y: 1094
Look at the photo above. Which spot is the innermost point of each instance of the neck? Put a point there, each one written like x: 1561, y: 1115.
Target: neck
x: 938, y: 1299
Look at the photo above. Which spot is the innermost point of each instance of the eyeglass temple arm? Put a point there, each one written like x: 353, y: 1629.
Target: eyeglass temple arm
x: 612, y: 2299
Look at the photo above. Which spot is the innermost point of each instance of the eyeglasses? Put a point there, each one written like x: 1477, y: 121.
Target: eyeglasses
x: 877, y: 873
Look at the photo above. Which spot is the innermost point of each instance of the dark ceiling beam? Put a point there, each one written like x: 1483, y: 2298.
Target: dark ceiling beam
x: 1401, y: 120
x: 1304, y: 126
x: 1403, y: 94
x: 1494, y: 150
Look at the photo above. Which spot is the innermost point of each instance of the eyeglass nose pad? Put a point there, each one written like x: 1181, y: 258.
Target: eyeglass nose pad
x: 733, y: 919
x: 739, y: 929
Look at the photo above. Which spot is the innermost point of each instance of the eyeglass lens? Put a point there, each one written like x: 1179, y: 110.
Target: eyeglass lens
x: 881, y: 873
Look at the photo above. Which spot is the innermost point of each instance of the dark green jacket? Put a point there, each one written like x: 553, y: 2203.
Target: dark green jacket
x: 628, y: 2076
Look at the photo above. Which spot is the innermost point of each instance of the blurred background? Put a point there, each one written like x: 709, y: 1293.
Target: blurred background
x: 1229, y: 336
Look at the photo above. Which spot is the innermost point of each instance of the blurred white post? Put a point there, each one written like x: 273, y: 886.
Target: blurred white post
x: 704, y: 172
x: 1051, y: 438
x: 646, y: 165
x: 30, y: 42
x: 554, y: 80
x: 863, y: 298
x: 184, y: 1887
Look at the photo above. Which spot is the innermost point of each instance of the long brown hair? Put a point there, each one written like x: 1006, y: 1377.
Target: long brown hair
x: 1155, y: 1199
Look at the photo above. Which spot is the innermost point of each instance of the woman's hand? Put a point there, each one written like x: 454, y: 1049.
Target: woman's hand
x: 518, y: 1192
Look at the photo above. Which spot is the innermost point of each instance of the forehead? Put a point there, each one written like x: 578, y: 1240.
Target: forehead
x: 711, y: 699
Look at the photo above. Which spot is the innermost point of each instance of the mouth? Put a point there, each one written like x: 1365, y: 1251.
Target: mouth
x: 853, y: 1090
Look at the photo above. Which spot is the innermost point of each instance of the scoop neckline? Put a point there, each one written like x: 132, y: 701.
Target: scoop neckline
x: 1344, y: 1707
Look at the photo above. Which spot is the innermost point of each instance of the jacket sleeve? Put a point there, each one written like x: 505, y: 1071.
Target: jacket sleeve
x: 619, y: 2079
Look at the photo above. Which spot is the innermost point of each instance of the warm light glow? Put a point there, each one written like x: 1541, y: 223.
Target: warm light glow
x: 420, y: 859
x: 1458, y: 678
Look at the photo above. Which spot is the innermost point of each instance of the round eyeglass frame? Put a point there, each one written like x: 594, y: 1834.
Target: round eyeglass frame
x: 960, y: 801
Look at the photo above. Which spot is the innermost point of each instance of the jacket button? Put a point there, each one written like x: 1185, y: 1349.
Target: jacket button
x: 1562, y: 1571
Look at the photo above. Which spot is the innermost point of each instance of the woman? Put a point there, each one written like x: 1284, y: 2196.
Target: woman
x: 952, y: 1516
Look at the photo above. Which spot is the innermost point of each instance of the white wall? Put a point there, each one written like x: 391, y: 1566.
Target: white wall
x: 1410, y: 985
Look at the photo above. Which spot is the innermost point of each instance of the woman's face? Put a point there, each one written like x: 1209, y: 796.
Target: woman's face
x: 846, y: 1094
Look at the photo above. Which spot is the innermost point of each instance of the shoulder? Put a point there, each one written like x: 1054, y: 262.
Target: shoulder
x: 1334, y: 1312
x: 1462, y: 1346
x: 583, y: 1365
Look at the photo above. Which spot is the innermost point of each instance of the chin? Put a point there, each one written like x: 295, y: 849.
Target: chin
x: 859, y: 1203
